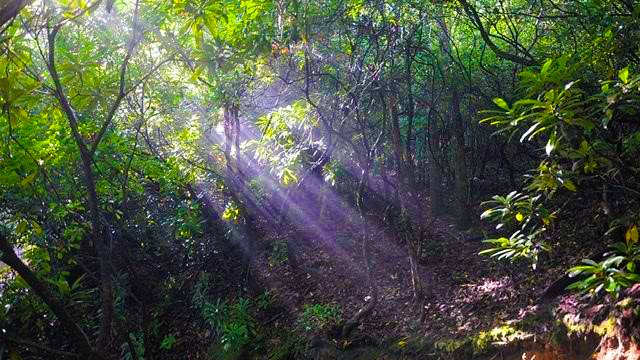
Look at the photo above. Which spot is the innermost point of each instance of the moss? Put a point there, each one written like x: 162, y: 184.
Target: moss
x: 479, y: 344
x: 606, y: 328
x: 452, y: 345
x: 498, y: 334
x: 626, y: 303
x: 411, y: 347
x: 577, y: 327
x: 532, y: 320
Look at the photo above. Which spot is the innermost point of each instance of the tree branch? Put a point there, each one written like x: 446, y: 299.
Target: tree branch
x: 10, y: 10
x: 9, y: 257
x: 475, y: 19
x: 135, y: 29
x: 38, y: 346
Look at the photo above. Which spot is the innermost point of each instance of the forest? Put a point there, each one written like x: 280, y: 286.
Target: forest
x: 328, y: 179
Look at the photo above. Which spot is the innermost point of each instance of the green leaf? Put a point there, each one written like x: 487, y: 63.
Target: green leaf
x: 631, y: 266
x: 569, y: 185
x: 22, y: 227
x: 546, y: 66
x: 29, y: 179
x: 488, y: 213
x: 575, y: 285
x: 590, y: 262
x: 168, y: 342
x: 526, y: 135
x: 288, y: 177
x: 37, y: 229
x: 616, y: 260
x: 501, y: 103
x: 623, y: 75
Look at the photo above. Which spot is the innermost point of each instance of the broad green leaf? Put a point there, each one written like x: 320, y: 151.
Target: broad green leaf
x: 623, y: 75
x: 501, y: 103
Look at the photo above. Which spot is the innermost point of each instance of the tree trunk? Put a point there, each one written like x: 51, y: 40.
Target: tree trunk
x: 459, y: 163
x: 406, y: 228
x: 410, y: 166
x: 386, y: 188
x: 435, y: 174
x: 350, y: 324
x: 461, y: 192
x: 292, y: 248
x: 10, y: 9
x: 396, y: 140
x: 104, y: 257
x: 237, y: 186
x: 9, y: 257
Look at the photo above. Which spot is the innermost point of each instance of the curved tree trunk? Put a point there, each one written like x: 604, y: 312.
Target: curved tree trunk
x: 10, y: 9
x: 9, y: 257
x: 104, y: 256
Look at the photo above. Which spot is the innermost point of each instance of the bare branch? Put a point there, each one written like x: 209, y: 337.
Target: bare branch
x: 475, y: 18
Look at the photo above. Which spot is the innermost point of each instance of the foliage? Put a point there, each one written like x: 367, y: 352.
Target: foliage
x: 264, y: 300
x: 278, y: 253
x: 615, y: 273
x: 233, y: 323
x: 289, y: 345
x: 579, y: 155
x: 231, y: 212
x: 481, y: 343
x: 138, y: 346
x: 317, y: 317
x: 524, y: 213
x: 117, y: 164
x: 286, y: 135
x: 168, y: 342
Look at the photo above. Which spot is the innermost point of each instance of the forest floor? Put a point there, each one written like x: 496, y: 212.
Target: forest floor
x: 465, y: 293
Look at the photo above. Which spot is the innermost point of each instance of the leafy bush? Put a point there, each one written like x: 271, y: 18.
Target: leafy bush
x: 589, y: 146
x: 616, y: 272
x: 526, y: 217
x: 138, y: 345
x: 233, y: 323
x: 264, y: 300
